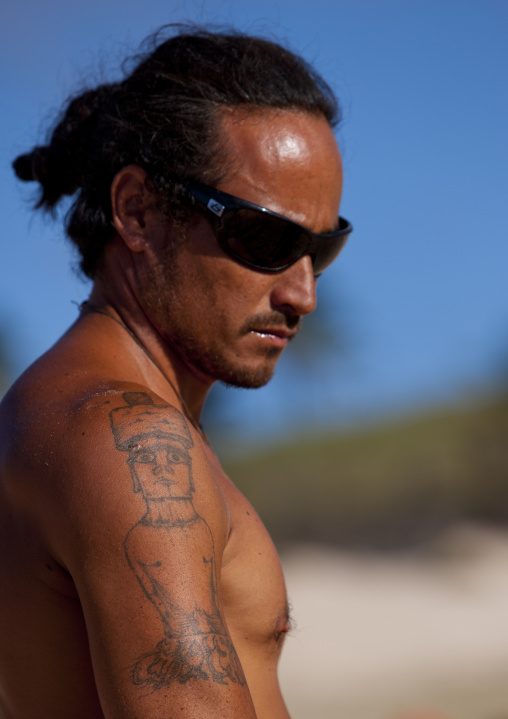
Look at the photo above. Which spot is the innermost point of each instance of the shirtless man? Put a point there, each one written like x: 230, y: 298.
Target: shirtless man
x: 136, y: 580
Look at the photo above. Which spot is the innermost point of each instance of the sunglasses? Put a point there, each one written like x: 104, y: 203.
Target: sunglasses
x: 260, y: 238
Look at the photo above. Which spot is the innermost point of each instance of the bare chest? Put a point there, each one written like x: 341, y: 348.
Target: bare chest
x: 253, y: 590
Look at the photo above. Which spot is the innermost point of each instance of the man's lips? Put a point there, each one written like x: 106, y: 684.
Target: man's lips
x: 274, y: 330
x: 283, y: 334
x: 274, y: 335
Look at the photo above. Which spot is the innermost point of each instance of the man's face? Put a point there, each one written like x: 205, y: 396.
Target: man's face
x: 224, y: 320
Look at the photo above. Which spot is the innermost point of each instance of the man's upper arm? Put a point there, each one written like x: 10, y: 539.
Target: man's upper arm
x: 142, y: 532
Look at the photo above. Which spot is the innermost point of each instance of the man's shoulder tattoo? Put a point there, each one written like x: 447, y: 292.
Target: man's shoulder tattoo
x: 158, y: 445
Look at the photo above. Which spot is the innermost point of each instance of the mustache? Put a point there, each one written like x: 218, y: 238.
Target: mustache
x: 272, y: 320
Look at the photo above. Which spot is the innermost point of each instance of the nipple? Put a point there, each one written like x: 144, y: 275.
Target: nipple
x: 282, y: 627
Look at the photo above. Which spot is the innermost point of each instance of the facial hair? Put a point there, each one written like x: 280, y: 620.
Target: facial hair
x: 166, y: 307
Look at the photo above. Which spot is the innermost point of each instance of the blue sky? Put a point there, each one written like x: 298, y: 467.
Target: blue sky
x: 420, y: 291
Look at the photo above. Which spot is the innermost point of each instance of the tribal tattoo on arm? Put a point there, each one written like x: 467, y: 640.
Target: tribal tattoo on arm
x: 195, y: 644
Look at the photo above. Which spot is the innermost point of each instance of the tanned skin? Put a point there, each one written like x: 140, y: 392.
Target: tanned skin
x: 136, y: 581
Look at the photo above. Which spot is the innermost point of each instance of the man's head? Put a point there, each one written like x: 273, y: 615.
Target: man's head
x: 223, y: 281
x: 166, y: 117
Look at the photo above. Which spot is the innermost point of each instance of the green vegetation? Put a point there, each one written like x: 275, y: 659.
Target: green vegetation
x: 392, y: 486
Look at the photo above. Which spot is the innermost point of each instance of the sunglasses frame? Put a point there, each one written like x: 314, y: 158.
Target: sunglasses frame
x: 214, y: 204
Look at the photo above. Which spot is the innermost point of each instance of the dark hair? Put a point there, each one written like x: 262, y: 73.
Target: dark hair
x: 165, y: 118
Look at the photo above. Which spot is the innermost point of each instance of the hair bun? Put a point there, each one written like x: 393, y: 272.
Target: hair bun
x: 32, y: 166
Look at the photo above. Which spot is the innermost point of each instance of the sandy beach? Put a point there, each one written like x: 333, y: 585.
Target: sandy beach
x: 398, y: 636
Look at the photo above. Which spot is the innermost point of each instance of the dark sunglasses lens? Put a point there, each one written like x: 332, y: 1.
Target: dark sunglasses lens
x: 265, y: 241
x: 327, y: 249
x: 272, y: 243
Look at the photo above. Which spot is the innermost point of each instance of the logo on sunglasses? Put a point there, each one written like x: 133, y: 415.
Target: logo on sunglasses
x: 215, y: 207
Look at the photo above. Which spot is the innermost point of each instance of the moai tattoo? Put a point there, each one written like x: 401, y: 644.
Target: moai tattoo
x: 195, y: 644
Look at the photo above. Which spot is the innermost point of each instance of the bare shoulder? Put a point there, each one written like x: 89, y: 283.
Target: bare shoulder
x: 77, y: 448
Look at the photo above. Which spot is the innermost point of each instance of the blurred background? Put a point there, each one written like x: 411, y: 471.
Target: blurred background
x: 377, y: 456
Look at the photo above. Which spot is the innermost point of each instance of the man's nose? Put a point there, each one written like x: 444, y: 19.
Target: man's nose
x: 295, y: 289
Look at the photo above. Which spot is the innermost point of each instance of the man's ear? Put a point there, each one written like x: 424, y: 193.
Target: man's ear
x: 131, y: 201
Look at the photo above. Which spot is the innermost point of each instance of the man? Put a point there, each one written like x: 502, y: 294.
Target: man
x: 136, y: 580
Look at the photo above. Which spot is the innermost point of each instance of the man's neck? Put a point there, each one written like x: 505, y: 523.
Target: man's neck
x: 166, y: 373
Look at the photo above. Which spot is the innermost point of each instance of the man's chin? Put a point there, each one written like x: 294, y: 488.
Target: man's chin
x: 246, y: 379
x: 231, y: 370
